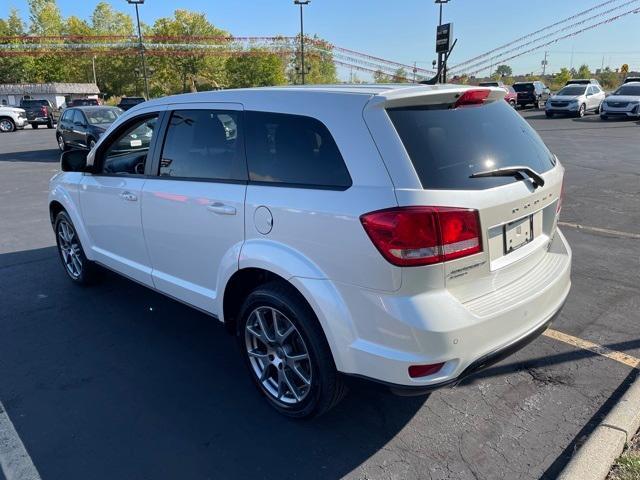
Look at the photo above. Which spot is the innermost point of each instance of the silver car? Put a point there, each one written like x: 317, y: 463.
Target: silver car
x: 624, y: 102
x: 576, y: 100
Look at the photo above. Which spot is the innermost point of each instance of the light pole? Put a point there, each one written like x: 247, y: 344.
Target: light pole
x: 302, y: 3
x: 440, y: 55
x: 141, y: 46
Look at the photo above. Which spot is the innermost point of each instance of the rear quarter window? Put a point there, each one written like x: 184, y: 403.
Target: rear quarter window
x: 446, y: 146
x: 294, y: 150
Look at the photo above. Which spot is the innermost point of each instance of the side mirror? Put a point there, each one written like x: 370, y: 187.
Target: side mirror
x: 74, y: 161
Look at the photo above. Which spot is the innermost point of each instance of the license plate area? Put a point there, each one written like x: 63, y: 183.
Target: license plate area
x: 517, y: 234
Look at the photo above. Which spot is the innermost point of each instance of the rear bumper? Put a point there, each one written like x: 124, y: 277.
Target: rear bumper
x: 377, y: 336
x: 481, y: 363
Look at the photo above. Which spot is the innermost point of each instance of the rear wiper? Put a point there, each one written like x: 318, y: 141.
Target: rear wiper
x: 516, y: 171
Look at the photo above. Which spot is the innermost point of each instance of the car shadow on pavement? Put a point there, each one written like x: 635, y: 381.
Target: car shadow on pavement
x: 43, y: 156
x: 117, y: 381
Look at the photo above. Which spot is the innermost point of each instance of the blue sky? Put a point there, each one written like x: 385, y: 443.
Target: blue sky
x: 404, y: 31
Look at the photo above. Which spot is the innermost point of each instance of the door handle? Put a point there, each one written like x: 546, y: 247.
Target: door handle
x: 221, y: 209
x: 128, y: 196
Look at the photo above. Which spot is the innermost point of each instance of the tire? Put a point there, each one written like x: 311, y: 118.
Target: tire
x: 61, y: 145
x: 581, y: 111
x: 78, y: 268
x: 512, y: 103
x: 603, y: 117
x: 50, y: 123
x: 34, y: 126
x: 549, y: 114
x: 7, y: 125
x: 536, y: 105
x: 303, y: 388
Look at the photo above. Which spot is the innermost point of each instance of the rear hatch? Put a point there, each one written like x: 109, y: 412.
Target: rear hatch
x: 451, y: 149
x: 525, y: 90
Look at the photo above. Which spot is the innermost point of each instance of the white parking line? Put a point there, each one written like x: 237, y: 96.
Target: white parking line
x: 15, y: 461
x: 615, y: 233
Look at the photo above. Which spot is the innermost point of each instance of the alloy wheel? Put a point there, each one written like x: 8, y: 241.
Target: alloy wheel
x: 581, y: 112
x: 6, y: 125
x: 278, y: 355
x: 70, y: 249
x: 61, y: 144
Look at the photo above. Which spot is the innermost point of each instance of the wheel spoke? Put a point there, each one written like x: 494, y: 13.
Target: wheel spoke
x: 259, y: 335
x: 76, y: 264
x: 259, y: 355
x: 265, y: 374
x: 297, y: 371
x: 298, y: 358
x: 280, y: 384
x: 262, y: 326
x: 292, y: 389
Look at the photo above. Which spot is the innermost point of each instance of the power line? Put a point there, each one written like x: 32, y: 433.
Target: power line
x: 555, y: 40
x: 525, y: 37
x: 498, y: 58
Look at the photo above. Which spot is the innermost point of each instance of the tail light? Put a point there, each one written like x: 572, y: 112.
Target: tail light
x: 560, y: 198
x: 414, y: 236
x: 472, y: 97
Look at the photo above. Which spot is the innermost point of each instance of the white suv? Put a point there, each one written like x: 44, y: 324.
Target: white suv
x: 402, y: 234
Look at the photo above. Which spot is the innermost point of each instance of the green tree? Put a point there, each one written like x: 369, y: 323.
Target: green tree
x: 380, y: 77
x: 609, y: 79
x: 504, y: 71
x: 116, y: 74
x: 46, y: 20
x: 184, y: 71
x: 13, y: 69
x: 400, y: 76
x: 584, y: 72
x: 318, y: 61
x: 258, y: 68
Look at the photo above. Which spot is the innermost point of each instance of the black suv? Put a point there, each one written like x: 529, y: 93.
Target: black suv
x: 532, y: 93
x: 81, y: 127
x: 129, y: 102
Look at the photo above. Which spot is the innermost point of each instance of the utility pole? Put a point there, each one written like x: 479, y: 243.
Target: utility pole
x: 141, y: 47
x: 93, y: 63
x: 544, y: 63
x: 441, y: 68
x: 302, y: 3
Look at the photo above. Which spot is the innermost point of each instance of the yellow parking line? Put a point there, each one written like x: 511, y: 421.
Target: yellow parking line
x: 621, y: 357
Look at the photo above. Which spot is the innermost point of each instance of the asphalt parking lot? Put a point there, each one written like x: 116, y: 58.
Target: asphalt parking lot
x: 117, y: 381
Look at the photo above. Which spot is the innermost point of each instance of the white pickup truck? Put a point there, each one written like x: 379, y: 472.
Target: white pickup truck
x: 12, y: 118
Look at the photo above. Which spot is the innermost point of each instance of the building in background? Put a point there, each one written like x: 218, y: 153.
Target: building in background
x: 59, y: 94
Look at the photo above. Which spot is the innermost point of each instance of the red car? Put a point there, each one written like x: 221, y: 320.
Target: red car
x: 511, y: 97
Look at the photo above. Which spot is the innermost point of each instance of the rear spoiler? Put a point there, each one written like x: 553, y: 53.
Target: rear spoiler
x: 422, y: 95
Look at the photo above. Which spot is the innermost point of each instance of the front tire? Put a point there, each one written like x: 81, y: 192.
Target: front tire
x: 603, y: 117
x: 7, y: 125
x: 549, y: 114
x: 79, y: 269
x: 286, y: 352
x: 61, y: 145
x: 581, y: 111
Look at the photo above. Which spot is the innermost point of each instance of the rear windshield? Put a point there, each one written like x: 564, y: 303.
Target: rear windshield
x: 573, y: 90
x: 132, y: 100
x: 28, y: 103
x: 633, y: 90
x: 447, y: 146
x: 523, y: 87
x: 488, y: 84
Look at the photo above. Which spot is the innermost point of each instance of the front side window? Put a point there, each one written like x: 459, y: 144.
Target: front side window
x: 203, y: 144
x: 67, y: 116
x: 294, y: 150
x: 127, y: 153
x: 78, y: 118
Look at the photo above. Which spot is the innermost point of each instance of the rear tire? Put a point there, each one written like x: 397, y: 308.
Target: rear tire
x: 78, y: 268
x: 549, y: 114
x: 34, y: 126
x: 50, y: 123
x: 276, y: 327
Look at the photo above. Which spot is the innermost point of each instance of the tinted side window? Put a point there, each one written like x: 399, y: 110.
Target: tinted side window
x: 293, y: 149
x: 204, y: 144
x: 127, y: 152
x: 67, y: 116
x: 78, y: 117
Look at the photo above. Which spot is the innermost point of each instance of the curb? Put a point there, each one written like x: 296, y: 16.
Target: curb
x: 594, y: 459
